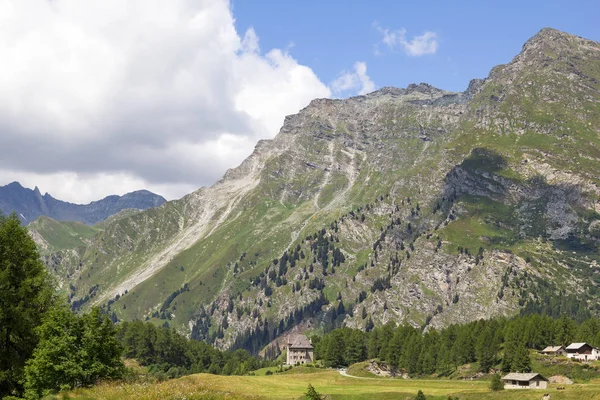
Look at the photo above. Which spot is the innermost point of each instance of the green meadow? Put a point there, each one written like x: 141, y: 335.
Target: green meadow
x: 328, y: 382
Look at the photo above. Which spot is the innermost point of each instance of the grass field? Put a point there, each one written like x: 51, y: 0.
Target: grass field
x: 293, y: 386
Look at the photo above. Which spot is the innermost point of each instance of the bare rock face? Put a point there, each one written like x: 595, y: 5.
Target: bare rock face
x: 406, y: 205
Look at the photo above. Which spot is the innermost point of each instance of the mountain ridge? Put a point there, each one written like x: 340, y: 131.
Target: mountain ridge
x: 411, y: 205
x: 30, y: 204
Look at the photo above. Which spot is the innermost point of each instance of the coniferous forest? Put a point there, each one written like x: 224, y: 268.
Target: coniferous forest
x: 501, y: 342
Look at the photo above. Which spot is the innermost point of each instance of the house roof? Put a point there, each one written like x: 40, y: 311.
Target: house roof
x: 515, y: 376
x: 300, y: 342
x: 576, y: 346
x: 552, y: 349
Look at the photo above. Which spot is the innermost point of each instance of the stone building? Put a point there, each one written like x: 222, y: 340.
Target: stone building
x: 299, y: 350
x: 554, y: 351
x: 525, y: 381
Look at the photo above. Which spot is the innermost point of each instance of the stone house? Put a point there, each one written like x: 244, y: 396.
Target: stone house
x: 299, y: 350
x: 582, y: 352
x: 530, y: 380
x: 554, y: 351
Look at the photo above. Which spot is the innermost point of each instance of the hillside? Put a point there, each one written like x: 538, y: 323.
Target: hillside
x: 31, y: 204
x: 413, y: 205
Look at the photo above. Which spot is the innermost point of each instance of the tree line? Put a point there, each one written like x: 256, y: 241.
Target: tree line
x: 496, y: 343
x: 170, y: 355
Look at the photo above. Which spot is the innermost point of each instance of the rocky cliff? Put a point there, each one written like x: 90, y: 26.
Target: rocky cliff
x: 413, y: 205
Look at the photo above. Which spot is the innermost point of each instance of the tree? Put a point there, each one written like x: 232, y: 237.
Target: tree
x: 566, y: 330
x: 335, y: 349
x: 73, y: 351
x: 521, y: 359
x: 496, y: 384
x: 420, y: 396
x: 486, y: 349
x: 355, y: 349
x: 312, y: 394
x: 26, y: 294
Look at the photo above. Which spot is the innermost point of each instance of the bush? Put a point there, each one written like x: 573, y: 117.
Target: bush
x: 269, y: 372
x: 420, y: 396
x: 496, y: 384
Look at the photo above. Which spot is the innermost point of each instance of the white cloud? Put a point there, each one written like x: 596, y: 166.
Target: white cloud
x: 426, y: 43
x: 354, y: 82
x: 104, y: 96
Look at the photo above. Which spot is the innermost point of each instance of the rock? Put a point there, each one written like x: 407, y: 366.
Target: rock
x: 560, y: 379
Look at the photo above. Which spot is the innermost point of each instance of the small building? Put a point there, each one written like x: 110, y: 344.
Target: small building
x: 299, y: 350
x: 582, y: 352
x: 554, y: 351
x: 530, y: 380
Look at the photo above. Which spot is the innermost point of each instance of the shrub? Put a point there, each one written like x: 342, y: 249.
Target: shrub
x: 496, y: 384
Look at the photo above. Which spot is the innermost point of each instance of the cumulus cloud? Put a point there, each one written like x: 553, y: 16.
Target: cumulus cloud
x: 417, y: 46
x: 353, y: 82
x: 105, y: 96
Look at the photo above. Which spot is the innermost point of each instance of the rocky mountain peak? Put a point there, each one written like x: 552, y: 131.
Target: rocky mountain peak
x: 30, y: 204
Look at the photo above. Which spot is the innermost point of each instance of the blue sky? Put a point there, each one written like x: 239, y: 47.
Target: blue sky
x: 472, y: 36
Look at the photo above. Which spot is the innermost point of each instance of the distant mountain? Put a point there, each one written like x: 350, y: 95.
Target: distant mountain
x: 30, y: 204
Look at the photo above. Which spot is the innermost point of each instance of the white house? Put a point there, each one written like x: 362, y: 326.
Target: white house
x: 582, y: 352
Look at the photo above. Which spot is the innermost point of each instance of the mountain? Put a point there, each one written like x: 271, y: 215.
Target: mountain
x: 30, y: 204
x: 415, y: 205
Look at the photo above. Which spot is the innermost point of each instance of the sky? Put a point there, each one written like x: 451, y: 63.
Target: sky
x: 103, y: 97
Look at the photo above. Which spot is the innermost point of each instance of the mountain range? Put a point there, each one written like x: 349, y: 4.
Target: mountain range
x: 415, y: 205
x: 30, y: 204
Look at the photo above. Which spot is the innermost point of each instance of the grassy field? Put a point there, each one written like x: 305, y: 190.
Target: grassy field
x: 293, y: 386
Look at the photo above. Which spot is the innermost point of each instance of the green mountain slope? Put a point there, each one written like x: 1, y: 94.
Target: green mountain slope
x: 412, y: 205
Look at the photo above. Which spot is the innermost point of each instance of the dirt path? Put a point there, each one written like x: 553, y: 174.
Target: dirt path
x: 343, y: 372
